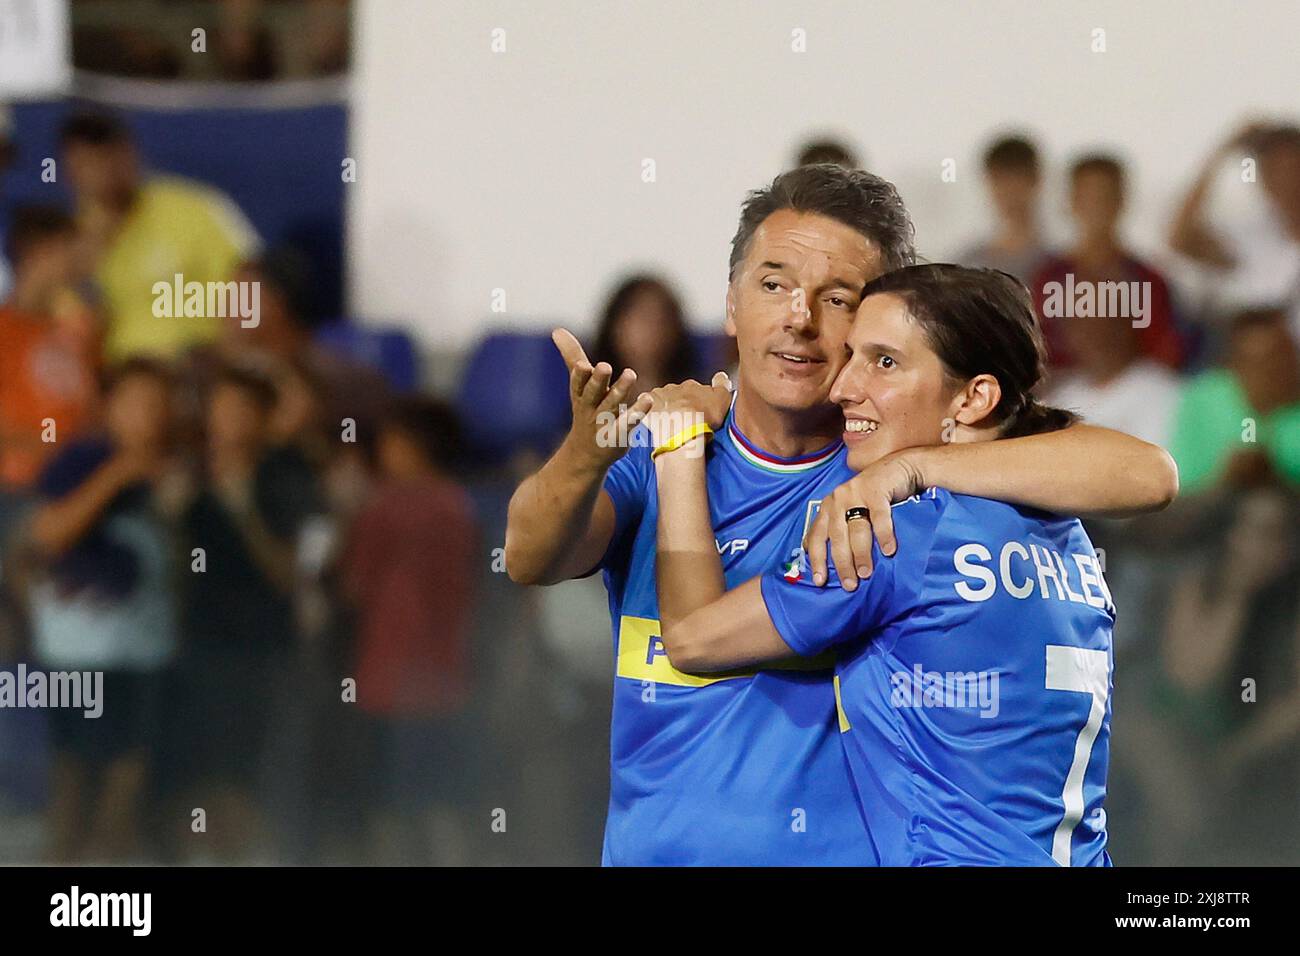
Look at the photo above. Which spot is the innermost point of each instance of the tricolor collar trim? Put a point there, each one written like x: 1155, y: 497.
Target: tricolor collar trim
x: 769, y: 462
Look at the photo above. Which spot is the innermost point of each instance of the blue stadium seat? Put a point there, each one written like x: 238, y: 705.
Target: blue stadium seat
x: 712, y: 352
x: 390, y: 351
x: 514, y: 395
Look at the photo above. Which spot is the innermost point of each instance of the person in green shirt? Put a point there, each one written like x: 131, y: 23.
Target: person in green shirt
x: 1240, y: 424
x: 142, y: 230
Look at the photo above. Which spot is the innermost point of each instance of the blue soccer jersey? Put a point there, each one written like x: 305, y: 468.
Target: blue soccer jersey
x: 973, y: 675
x: 744, y: 768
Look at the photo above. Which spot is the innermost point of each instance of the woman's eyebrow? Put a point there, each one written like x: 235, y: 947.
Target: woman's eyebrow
x: 878, y: 347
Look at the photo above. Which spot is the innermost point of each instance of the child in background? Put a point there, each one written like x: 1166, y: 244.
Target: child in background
x: 238, y: 619
x: 103, y: 601
x: 47, y: 365
x: 1013, y: 176
x: 47, y: 382
x: 1097, y: 256
x: 408, y: 567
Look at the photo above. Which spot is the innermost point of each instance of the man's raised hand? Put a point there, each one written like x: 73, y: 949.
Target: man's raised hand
x: 601, y: 422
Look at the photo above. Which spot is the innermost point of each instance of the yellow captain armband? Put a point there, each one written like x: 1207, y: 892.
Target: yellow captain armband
x: 682, y: 437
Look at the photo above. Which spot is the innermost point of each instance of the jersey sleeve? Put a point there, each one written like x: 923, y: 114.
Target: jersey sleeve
x: 811, y: 619
x: 628, y: 484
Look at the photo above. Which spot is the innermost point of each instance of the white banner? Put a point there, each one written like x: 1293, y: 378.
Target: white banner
x: 35, y: 56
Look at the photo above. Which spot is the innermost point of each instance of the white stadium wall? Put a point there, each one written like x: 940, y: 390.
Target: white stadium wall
x: 522, y: 170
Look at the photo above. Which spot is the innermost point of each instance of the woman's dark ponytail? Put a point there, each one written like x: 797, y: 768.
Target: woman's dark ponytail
x: 1035, y: 418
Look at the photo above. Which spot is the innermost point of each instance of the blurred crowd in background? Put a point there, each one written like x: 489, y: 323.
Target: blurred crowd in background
x: 249, y: 39
x: 285, y: 554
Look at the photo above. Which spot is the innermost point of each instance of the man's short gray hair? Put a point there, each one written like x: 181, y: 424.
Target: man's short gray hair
x: 862, y: 201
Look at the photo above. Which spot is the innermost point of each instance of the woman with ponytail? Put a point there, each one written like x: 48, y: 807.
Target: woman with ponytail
x: 976, y: 321
x: 973, y: 664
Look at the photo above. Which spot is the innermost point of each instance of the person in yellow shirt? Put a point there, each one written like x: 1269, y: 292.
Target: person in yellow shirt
x: 144, y: 230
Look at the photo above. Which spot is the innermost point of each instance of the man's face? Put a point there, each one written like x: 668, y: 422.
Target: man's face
x: 398, y: 456
x: 1265, y: 361
x: 275, y: 317
x: 791, y: 302
x: 106, y: 173
x: 893, y: 390
x: 1014, y: 192
x: 1096, y: 199
x: 1102, y: 345
x: 235, y: 419
x: 138, y: 412
x: 52, y: 263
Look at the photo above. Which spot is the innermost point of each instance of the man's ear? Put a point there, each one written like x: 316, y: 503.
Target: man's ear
x: 975, y: 403
x: 729, y: 323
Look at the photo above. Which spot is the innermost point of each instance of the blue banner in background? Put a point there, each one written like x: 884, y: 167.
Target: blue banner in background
x: 282, y: 164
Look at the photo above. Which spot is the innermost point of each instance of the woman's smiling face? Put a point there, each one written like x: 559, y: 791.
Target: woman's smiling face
x: 894, y: 390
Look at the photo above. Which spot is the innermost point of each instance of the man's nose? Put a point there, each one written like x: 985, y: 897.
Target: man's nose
x: 801, y: 318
